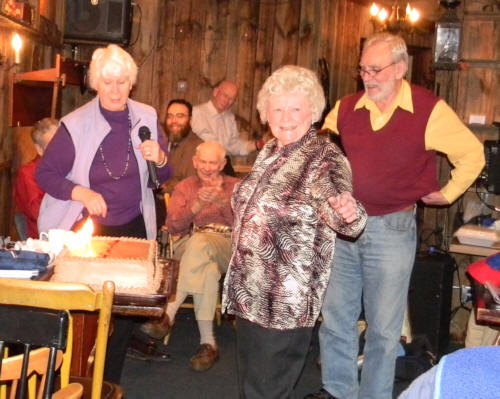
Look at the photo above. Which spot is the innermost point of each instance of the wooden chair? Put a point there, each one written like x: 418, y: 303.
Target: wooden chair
x: 67, y: 297
x: 39, y: 359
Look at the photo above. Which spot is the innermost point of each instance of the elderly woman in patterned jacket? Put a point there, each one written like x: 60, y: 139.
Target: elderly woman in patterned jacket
x: 287, y: 211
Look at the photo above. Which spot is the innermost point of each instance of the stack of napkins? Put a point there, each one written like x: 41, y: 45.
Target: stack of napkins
x: 22, y: 264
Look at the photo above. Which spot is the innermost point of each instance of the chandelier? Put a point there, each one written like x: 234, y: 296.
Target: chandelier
x: 394, y: 19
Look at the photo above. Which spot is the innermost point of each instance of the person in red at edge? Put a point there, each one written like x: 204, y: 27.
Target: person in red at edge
x: 27, y: 193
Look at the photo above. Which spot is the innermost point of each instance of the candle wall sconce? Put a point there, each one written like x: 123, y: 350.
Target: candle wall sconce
x: 17, y: 44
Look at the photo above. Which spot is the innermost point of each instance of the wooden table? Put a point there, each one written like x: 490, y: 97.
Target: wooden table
x: 133, y: 305
x: 474, y: 250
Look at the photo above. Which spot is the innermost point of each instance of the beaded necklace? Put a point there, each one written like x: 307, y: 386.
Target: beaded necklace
x: 129, y: 146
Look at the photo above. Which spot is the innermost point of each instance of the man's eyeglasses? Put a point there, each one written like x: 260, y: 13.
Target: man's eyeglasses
x: 372, y: 72
x: 178, y: 116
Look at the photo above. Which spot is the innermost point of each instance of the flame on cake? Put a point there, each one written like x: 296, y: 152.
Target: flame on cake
x: 81, y: 241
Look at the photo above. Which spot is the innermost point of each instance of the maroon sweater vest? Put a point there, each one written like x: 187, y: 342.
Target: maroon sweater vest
x: 391, y: 168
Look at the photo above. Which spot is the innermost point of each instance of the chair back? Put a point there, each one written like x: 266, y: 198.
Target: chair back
x: 33, y: 328
x: 16, y: 368
x: 66, y: 297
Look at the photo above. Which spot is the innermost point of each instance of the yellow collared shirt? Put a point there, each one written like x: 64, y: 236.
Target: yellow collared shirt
x: 445, y: 133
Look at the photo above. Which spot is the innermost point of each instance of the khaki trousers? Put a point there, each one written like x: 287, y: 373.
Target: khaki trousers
x: 203, y: 257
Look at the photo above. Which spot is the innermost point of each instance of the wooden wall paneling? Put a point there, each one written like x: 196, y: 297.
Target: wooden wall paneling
x: 263, y: 55
x: 446, y: 86
x: 309, y: 34
x: 351, y: 39
x: 246, y: 39
x: 478, y: 83
x: 144, y: 51
x: 286, y: 33
x: 233, y: 52
x: 215, y: 48
x: 189, y: 35
x: 5, y: 133
x: 328, y: 45
x: 474, y: 45
x: 478, y: 93
x: 165, y: 67
x: 156, y: 79
x: 346, y: 54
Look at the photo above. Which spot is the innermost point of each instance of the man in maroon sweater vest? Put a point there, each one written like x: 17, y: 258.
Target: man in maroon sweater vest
x: 390, y: 132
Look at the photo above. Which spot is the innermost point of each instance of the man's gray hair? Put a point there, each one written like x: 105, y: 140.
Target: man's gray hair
x: 396, y: 44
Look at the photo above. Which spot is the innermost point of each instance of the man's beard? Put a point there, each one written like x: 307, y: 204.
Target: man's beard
x: 385, y: 90
x: 177, y: 137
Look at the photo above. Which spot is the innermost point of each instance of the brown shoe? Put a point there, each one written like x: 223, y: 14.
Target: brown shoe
x: 157, y: 329
x: 205, y: 357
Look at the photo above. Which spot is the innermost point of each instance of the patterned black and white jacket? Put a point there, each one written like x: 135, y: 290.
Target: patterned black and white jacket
x: 284, y: 232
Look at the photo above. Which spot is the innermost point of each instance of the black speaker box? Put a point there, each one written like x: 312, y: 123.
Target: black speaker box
x: 429, y: 299
x: 107, y: 21
x: 492, y: 156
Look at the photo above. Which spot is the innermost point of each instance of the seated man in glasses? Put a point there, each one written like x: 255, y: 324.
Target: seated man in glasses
x: 200, y: 211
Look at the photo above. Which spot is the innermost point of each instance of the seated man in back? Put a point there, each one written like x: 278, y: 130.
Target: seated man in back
x: 182, y: 141
x: 215, y: 121
x: 200, y: 211
x: 27, y: 194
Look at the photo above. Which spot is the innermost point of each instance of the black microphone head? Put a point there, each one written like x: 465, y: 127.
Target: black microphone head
x: 144, y: 133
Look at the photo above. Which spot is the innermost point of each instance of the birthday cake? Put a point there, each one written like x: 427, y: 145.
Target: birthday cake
x: 129, y: 262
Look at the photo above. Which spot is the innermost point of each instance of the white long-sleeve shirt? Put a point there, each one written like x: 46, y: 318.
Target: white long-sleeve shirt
x: 210, y: 125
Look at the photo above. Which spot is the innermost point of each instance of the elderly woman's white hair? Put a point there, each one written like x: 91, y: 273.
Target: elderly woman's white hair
x: 111, y: 61
x: 292, y: 79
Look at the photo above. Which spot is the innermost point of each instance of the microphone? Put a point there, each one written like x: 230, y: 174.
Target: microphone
x: 145, y: 134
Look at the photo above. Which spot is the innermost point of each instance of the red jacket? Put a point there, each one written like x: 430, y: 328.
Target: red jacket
x: 28, y: 195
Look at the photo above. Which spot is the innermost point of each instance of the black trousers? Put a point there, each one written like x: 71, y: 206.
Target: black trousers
x: 270, y: 361
x: 122, y: 326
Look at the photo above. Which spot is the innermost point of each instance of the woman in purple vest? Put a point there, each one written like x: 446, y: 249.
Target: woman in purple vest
x: 96, y: 166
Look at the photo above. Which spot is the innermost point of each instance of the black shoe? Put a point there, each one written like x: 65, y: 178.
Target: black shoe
x: 144, y: 348
x: 321, y: 394
x: 154, y: 356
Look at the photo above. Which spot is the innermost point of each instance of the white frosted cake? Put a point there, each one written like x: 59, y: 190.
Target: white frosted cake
x: 129, y: 262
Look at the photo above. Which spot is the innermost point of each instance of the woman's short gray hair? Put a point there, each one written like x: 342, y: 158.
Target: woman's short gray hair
x: 396, y: 44
x: 111, y: 60
x: 292, y: 79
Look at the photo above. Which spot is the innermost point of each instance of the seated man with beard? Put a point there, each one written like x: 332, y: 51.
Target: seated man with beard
x: 181, y: 140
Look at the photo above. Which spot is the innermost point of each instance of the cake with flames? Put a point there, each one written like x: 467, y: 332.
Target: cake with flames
x: 131, y: 263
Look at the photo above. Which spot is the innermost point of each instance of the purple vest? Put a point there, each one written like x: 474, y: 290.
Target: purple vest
x: 391, y: 168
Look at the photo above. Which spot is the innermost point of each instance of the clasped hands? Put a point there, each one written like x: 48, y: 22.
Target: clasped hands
x: 212, y: 192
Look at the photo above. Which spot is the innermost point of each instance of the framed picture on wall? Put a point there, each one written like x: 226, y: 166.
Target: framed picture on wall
x: 23, y: 11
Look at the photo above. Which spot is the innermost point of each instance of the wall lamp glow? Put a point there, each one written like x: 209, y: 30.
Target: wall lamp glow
x: 17, y: 43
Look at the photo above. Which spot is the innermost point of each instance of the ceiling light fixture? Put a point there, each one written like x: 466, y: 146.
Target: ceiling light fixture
x: 398, y: 19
